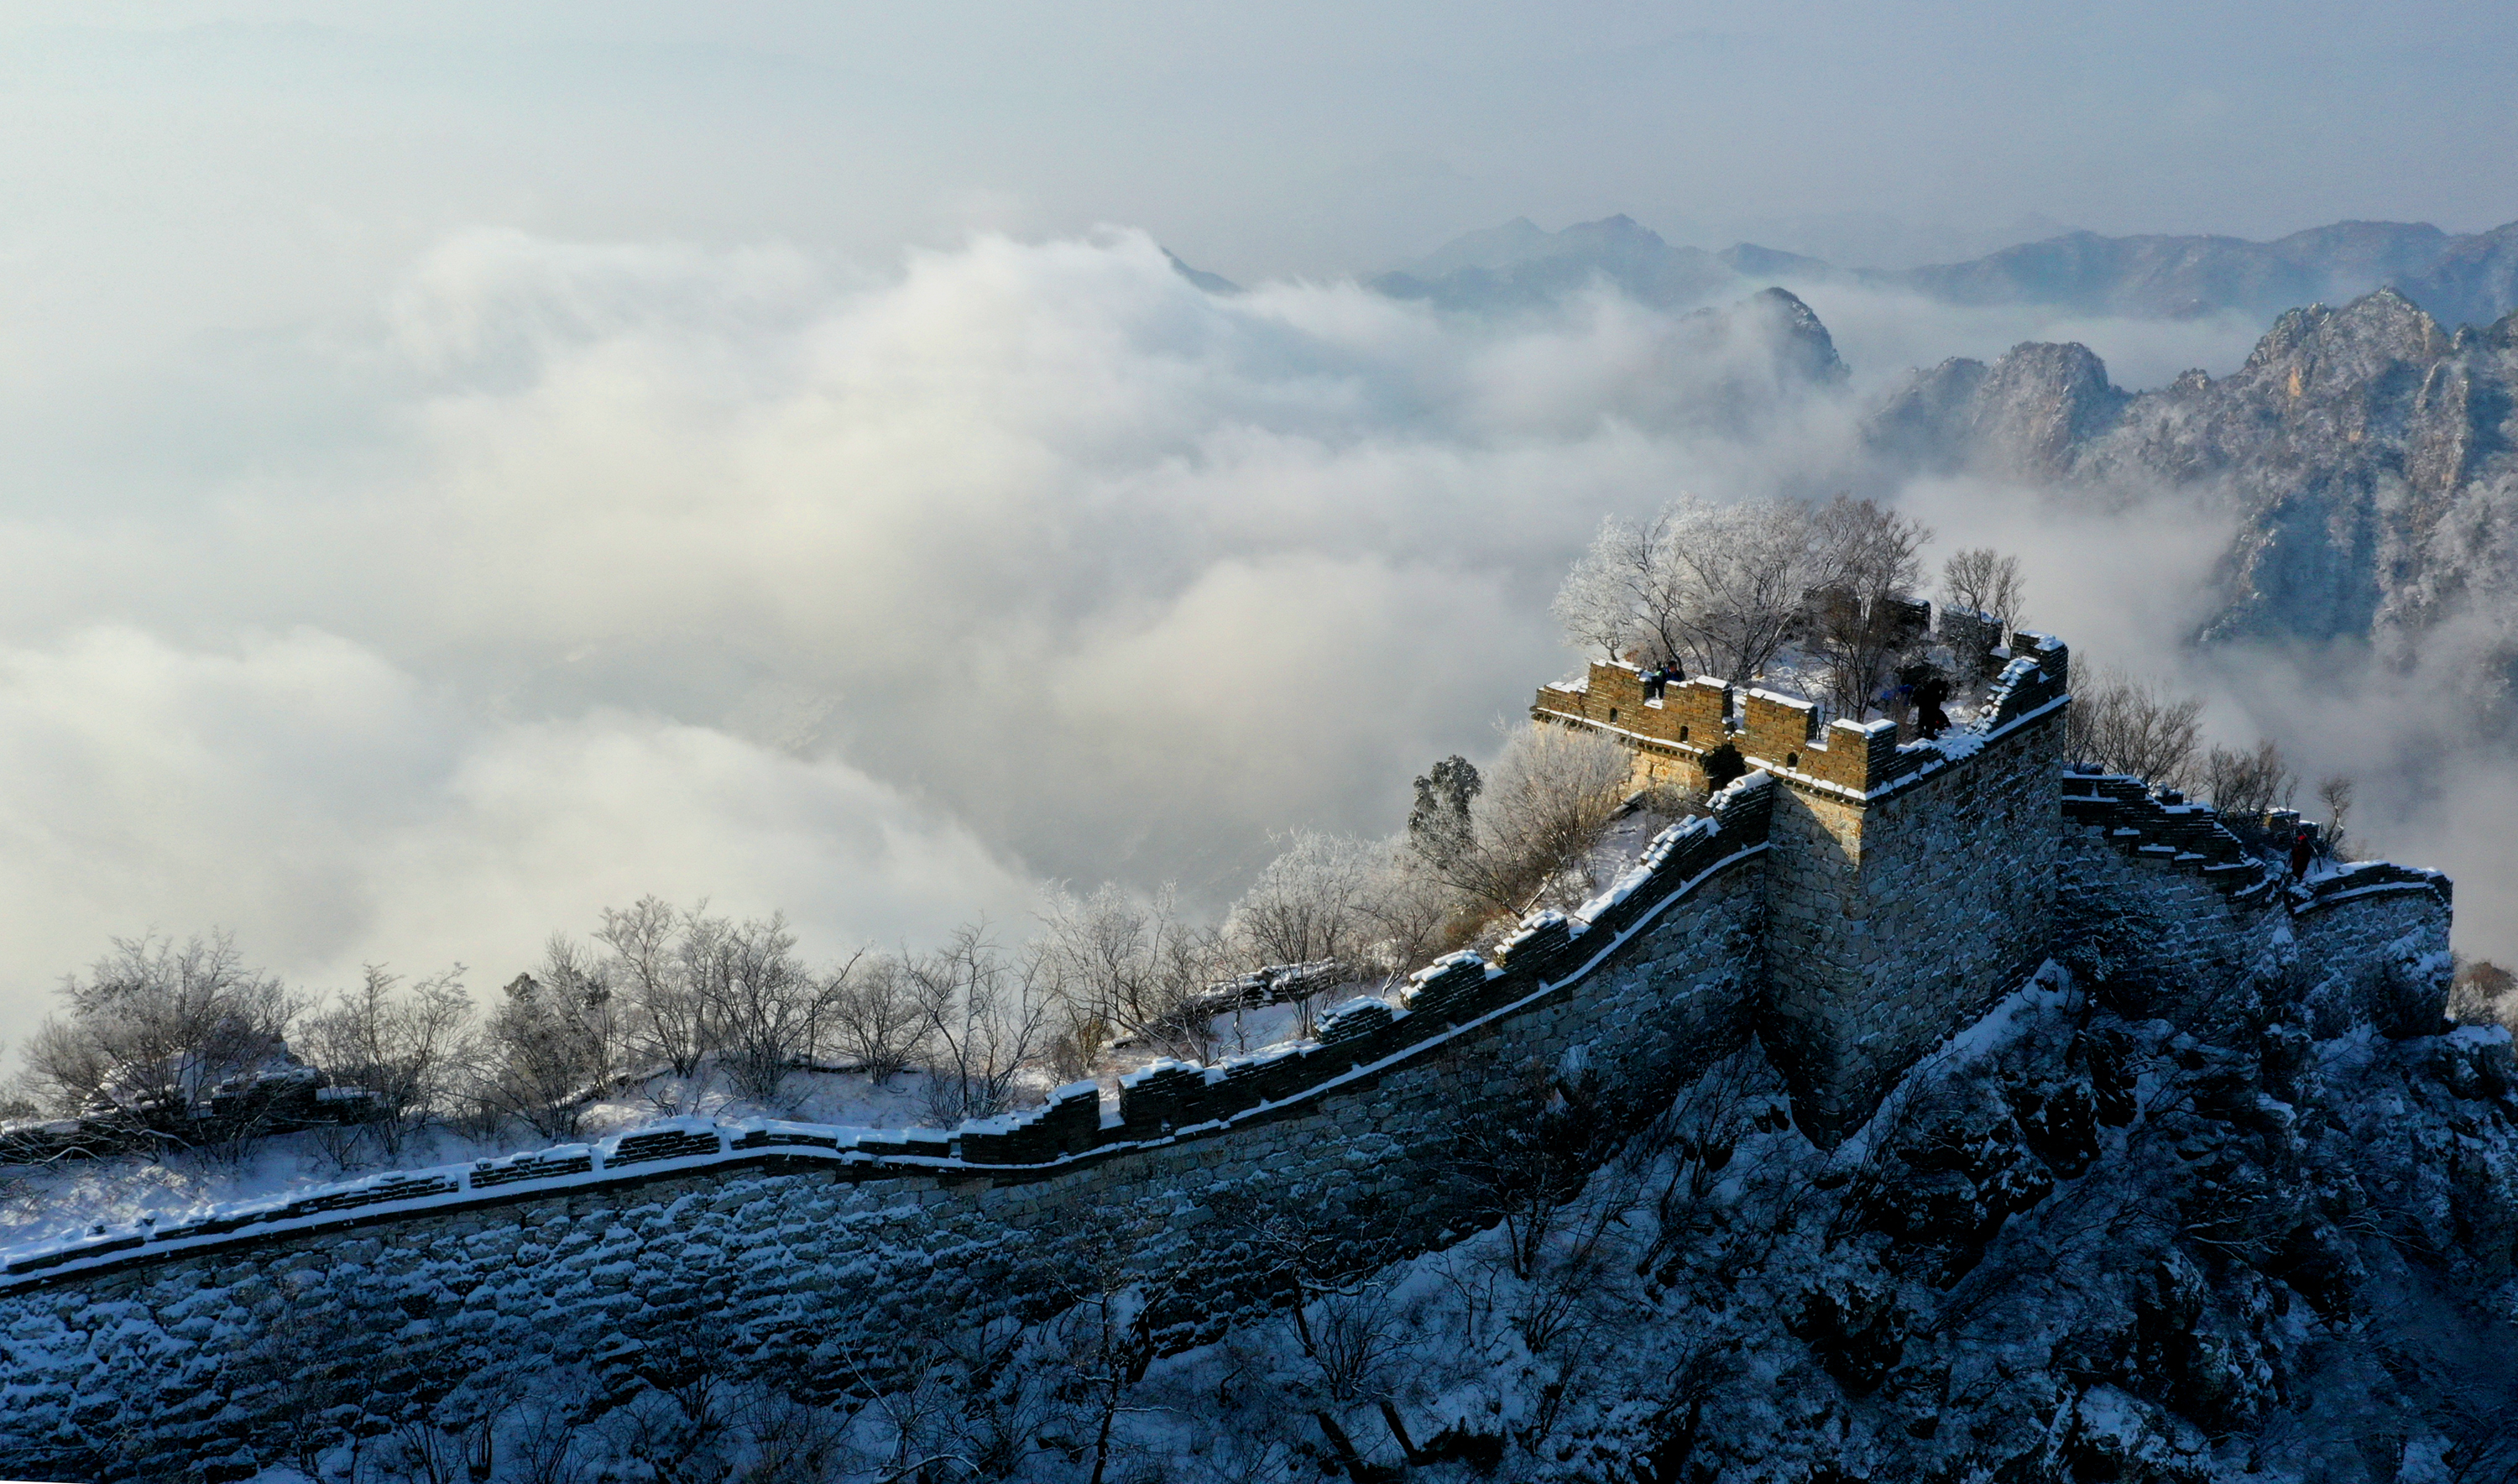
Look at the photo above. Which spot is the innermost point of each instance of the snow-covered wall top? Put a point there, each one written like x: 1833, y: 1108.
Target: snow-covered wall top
x: 1674, y: 732
x: 1166, y: 1102
x: 1850, y: 932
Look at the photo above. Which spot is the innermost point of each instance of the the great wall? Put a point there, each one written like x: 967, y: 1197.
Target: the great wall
x: 1851, y: 903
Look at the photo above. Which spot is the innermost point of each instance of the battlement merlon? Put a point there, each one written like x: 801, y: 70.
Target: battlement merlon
x: 1673, y: 735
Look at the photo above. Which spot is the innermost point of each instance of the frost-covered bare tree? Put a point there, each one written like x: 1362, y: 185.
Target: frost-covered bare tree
x: 1370, y: 907
x: 987, y: 1017
x: 1410, y: 907
x: 1715, y: 587
x: 1744, y: 569
x: 1138, y: 965
x: 2335, y: 793
x: 1376, y: 907
x: 1545, y: 804
x: 1981, y: 580
x: 763, y: 1004
x: 1868, y: 565
x: 548, y: 1045
x: 1310, y: 903
x: 2250, y: 782
x: 155, y: 1025
x: 662, y: 974
x: 2124, y: 726
x: 405, y: 1049
x: 1438, y: 827
x: 1602, y: 603
x: 874, y: 1015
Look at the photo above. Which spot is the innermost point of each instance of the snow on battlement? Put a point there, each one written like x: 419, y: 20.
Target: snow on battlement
x: 1157, y: 1104
x: 1674, y: 733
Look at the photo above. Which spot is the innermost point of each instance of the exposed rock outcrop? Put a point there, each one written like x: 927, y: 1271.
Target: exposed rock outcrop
x: 2366, y: 451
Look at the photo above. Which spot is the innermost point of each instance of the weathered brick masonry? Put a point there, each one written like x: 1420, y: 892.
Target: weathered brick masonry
x: 813, y: 1252
x: 2171, y: 894
x: 1852, y: 903
x: 1910, y: 886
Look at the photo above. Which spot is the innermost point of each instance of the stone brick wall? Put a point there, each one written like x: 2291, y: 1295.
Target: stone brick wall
x: 818, y: 1262
x: 2154, y: 890
x: 2159, y: 923
x: 2372, y: 920
x: 1912, y: 886
x: 1670, y: 737
x: 1899, y: 918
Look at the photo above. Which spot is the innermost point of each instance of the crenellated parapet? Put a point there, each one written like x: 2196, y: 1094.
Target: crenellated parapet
x: 1911, y: 882
x: 2163, y: 828
x: 1853, y: 902
x: 1673, y: 735
x: 1554, y: 960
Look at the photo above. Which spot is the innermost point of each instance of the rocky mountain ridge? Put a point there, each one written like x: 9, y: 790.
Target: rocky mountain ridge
x: 2366, y: 451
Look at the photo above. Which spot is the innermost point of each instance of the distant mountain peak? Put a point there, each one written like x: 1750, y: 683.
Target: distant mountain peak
x: 1618, y: 225
x: 2459, y: 279
x: 1519, y: 266
x: 2470, y: 280
x: 1212, y: 283
x: 1750, y: 260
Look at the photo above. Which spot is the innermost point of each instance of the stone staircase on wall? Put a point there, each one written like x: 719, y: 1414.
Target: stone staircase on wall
x: 2193, y: 839
x: 2163, y: 827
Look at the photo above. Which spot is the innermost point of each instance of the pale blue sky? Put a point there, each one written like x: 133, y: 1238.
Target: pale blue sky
x: 1259, y: 139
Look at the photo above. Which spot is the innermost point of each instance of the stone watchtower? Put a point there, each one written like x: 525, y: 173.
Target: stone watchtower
x: 1909, y: 887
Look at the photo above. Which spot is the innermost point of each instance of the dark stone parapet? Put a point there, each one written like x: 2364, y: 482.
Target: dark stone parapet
x: 2368, y: 878
x: 2191, y: 838
x: 282, y: 1100
x: 2188, y: 838
x: 1553, y: 952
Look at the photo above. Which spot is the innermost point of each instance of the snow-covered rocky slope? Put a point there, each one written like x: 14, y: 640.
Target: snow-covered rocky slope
x: 2118, y: 1231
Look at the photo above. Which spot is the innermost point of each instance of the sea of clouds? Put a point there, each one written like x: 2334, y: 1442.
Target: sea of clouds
x: 567, y: 573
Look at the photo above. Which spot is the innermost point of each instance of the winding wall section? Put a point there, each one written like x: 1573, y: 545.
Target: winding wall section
x: 828, y: 1258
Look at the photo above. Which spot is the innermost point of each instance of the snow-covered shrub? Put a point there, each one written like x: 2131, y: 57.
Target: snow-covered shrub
x: 405, y: 1052
x: 2483, y: 994
x: 154, y: 1026
x: 1544, y: 802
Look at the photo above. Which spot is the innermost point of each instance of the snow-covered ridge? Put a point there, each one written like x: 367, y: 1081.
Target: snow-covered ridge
x: 1156, y: 1104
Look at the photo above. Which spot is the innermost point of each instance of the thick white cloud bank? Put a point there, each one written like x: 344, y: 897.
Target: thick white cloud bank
x: 337, y: 810
x: 617, y: 569
x: 577, y: 572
